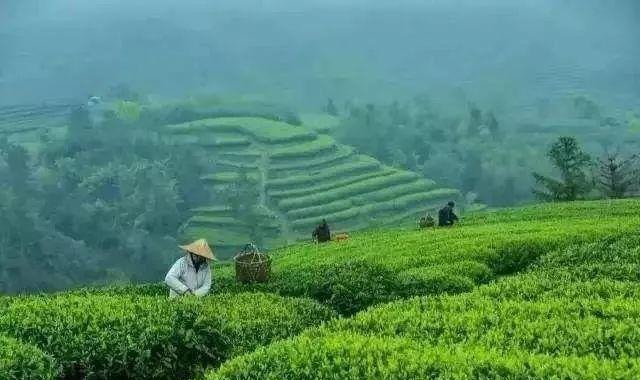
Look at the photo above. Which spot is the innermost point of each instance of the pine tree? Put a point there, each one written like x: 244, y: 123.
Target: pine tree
x: 572, y: 162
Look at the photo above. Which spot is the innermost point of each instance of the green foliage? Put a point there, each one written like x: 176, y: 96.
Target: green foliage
x: 353, y: 356
x: 367, y: 206
x: 19, y: 361
x: 350, y: 190
x: 321, y: 144
x: 572, y: 315
x: 94, y: 205
x: 320, y: 122
x: 330, y: 184
x: 129, y: 336
x: 128, y: 111
x: 359, y: 165
x: 466, y: 149
x: 572, y: 163
x: 408, y: 263
x: 263, y: 130
x: 204, y: 108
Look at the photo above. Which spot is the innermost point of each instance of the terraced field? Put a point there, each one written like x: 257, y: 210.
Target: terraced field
x: 301, y: 177
x: 25, y: 124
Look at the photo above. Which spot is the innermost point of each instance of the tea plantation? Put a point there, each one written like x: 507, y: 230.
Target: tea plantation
x: 299, y: 176
x: 547, y: 291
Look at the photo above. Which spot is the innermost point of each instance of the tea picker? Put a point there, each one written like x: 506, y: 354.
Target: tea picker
x: 191, y: 274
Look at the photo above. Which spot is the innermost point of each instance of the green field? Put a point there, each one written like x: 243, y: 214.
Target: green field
x: 546, y: 291
x: 301, y: 176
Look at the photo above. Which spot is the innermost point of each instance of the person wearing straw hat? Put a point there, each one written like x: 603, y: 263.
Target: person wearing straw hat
x: 191, y: 274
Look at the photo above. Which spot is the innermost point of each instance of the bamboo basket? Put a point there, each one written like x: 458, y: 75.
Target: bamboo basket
x: 252, y: 265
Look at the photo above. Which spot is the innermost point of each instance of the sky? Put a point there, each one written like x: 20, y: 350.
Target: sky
x: 303, y: 52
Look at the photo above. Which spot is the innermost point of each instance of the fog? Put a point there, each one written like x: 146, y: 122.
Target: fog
x: 304, y: 52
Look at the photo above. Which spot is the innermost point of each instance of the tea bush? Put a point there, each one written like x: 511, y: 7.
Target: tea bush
x: 353, y: 356
x: 19, y: 361
x: 125, y: 337
x: 405, y: 263
x: 573, y: 314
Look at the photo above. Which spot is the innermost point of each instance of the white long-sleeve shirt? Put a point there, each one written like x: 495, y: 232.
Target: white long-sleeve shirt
x: 183, y: 277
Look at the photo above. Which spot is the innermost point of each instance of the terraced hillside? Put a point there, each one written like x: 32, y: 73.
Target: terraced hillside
x: 25, y: 124
x: 300, y: 177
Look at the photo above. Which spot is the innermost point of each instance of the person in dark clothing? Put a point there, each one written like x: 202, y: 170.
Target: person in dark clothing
x: 446, y: 216
x: 322, y: 233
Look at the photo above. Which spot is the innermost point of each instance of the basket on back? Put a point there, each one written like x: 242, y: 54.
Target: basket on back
x: 252, y: 265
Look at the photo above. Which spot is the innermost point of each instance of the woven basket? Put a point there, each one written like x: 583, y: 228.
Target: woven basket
x: 252, y: 265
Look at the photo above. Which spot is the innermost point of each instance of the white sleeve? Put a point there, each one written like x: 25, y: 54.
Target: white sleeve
x: 206, y: 284
x: 173, y: 278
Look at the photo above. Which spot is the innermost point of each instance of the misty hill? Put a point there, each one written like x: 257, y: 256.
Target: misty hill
x: 297, y: 177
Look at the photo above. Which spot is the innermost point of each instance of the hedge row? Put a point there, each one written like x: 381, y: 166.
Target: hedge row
x: 605, y: 329
x: 348, y: 356
x: 553, y: 212
x: 322, y: 144
x: 20, y: 361
x: 332, y: 158
x: 330, y: 184
x: 360, y: 164
x: 365, y: 186
x: 263, y: 130
x: 129, y: 337
x: 552, y: 322
x: 368, y: 209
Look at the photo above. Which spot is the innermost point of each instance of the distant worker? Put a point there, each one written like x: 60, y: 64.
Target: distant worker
x: 322, y: 233
x: 191, y: 274
x: 446, y: 216
x: 426, y: 222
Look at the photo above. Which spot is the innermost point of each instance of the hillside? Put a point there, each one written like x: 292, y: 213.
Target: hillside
x: 548, y: 291
x: 300, y: 177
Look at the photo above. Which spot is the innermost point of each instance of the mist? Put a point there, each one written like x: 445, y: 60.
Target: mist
x: 502, y: 51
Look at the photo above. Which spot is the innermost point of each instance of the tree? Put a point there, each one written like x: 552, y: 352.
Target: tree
x: 617, y: 176
x: 572, y: 162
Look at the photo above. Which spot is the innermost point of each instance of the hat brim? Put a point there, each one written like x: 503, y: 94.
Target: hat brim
x: 199, y: 248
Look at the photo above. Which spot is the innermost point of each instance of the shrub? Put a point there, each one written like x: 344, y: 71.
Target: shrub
x: 19, y: 361
x: 352, y: 286
x: 115, y: 337
x: 348, y: 356
x: 122, y: 337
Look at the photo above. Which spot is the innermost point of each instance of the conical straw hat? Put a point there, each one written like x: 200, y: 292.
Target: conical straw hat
x: 200, y: 248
